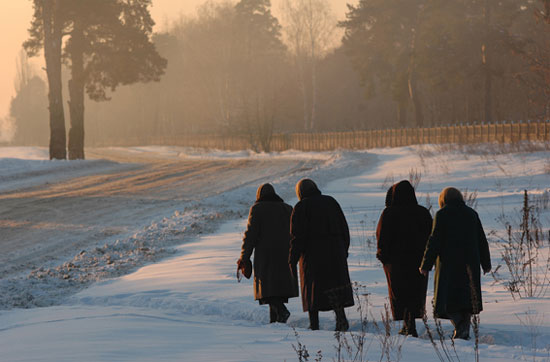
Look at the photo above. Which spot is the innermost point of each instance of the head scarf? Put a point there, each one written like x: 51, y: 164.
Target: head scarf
x: 306, y: 188
x: 266, y: 192
x: 450, y: 195
x: 403, y: 194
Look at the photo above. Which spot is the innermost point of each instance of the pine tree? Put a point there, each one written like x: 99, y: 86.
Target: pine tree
x: 381, y: 39
x: 109, y: 44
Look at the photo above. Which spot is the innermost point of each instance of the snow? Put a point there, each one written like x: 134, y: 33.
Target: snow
x: 198, y: 153
x: 23, y: 167
x: 167, y: 291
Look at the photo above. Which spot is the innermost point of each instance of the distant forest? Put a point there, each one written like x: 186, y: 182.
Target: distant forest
x: 234, y: 68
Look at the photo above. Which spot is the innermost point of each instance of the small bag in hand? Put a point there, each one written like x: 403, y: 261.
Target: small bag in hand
x: 244, y: 267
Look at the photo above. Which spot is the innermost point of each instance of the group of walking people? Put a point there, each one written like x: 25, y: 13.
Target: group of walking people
x: 409, y: 244
x: 315, y: 235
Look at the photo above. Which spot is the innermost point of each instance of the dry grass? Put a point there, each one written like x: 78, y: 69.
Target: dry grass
x: 415, y: 176
x: 526, y: 254
x: 443, y: 351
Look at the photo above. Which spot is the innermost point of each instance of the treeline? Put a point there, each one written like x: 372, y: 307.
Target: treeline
x: 234, y: 69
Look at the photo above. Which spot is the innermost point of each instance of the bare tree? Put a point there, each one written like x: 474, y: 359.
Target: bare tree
x: 309, y: 26
x: 24, y: 71
x: 29, y: 107
x: 207, y: 44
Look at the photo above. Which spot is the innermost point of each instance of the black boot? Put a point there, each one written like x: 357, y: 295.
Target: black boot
x: 410, y: 325
x: 342, y: 323
x: 282, y: 313
x: 411, y: 331
x: 461, y: 322
x: 273, y: 315
x: 314, y: 320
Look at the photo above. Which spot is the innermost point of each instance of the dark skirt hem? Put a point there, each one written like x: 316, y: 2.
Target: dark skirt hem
x: 269, y: 300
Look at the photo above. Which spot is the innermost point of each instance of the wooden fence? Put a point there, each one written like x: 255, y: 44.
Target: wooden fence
x: 510, y: 132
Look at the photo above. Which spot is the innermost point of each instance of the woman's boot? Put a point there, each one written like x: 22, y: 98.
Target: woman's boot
x: 282, y: 313
x: 461, y: 322
x: 410, y: 325
x: 342, y: 323
x: 273, y: 315
x: 314, y: 320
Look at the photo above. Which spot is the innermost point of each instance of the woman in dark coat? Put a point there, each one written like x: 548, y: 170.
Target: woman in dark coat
x: 267, y: 234
x: 458, y: 247
x: 402, y: 233
x: 320, y: 242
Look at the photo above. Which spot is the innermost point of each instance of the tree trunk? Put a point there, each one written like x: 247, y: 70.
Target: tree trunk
x: 403, y: 105
x: 303, y: 88
x: 412, y: 81
x: 487, y: 66
x: 488, y: 94
x: 76, y: 92
x: 313, y: 85
x: 417, y: 102
x: 52, y: 54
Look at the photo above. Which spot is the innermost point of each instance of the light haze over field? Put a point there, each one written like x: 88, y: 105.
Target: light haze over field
x: 15, y: 17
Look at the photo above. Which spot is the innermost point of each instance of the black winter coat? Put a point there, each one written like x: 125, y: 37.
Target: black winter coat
x: 402, y: 233
x: 458, y: 247
x: 268, y: 236
x: 320, y: 242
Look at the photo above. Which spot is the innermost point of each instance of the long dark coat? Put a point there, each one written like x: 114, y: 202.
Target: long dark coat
x: 320, y: 241
x: 268, y: 235
x: 458, y: 247
x: 402, y: 233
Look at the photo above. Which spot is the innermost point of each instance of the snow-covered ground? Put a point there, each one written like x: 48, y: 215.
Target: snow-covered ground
x: 185, y: 304
x: 66, y: 224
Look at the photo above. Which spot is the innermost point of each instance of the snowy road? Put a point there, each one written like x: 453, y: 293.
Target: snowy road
x: 41, y: 223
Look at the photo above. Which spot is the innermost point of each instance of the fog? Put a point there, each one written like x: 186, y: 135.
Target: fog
x: 15, y: 17
x: 246, y: 68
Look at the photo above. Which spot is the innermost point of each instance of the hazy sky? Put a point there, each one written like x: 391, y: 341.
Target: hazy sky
x: 15, y: 16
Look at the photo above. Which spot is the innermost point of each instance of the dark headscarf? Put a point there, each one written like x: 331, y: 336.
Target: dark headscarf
x: 306, y: 188
x: 389, y: 196
x: 266, y: 192
x: 450, y: 195
x: 403, y: 194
